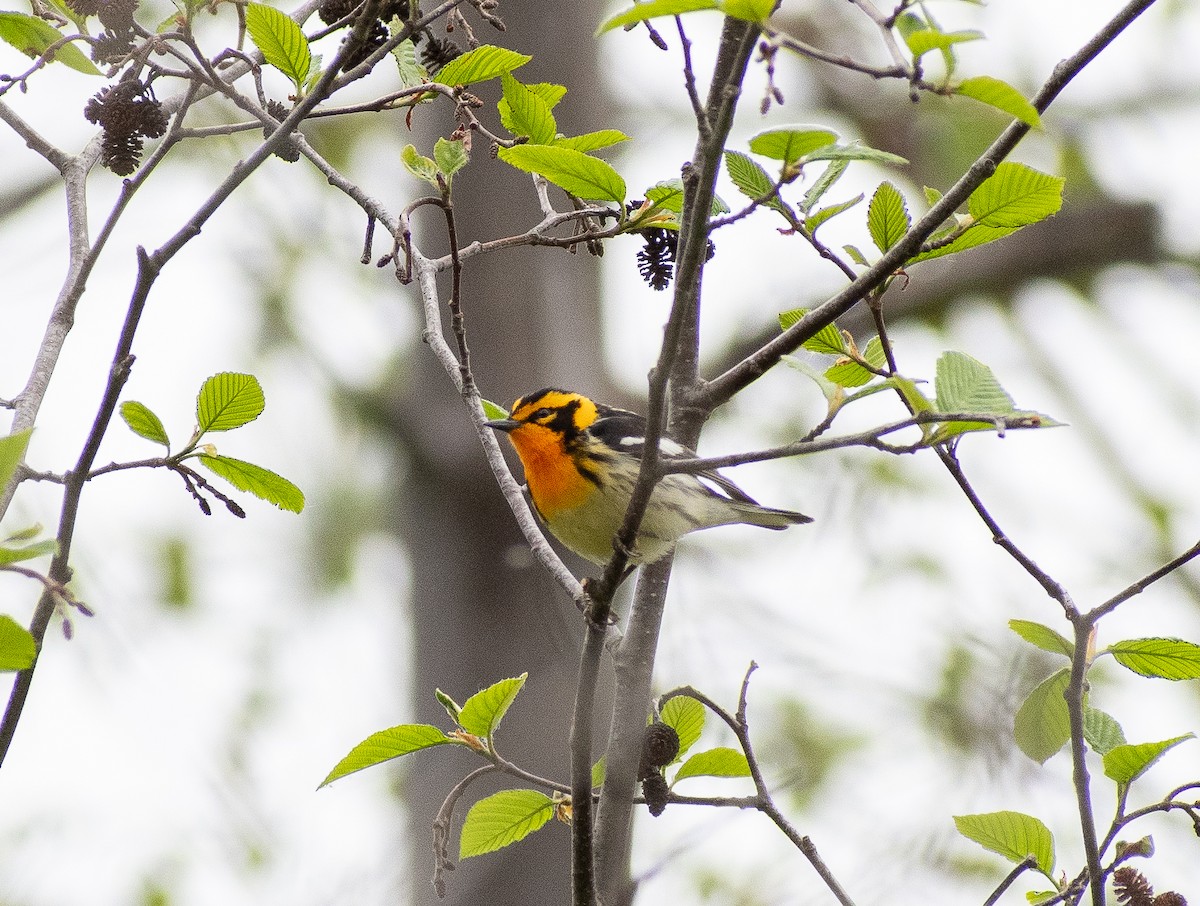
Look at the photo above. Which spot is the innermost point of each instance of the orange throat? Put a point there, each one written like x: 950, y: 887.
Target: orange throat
x: 554, y: 482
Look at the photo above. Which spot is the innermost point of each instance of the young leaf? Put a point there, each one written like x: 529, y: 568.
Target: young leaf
x: 524, y: 113
x: 1041, y: 636
x: 29, y: 552
x: 749, y: 10
x: 386, y: 745
x: 719, y: 762
x: 816, y: 218
x: 592, y: 141
x: 999, y: 94
x: 752, y: 180
x: 281, y: 40
x: 1015, y: 196
x: 12, y: 450
x: 887, y: 216
x: 828, y: 340
x: 492, y: 411
x: 599, y: 770
x: 572, y: 171
x: 1125, y: 763
x: 482, y: 712
x: 1042, y: 725
x: 834, y: 395
x: 848, y: 373
x: 144, y: 423
x: 965, y: 384
x: 668, y: 195
x: 480, y: 64
x: 452, y: 707
x: 227, y: 401
x: 654, y: 9
x: 824, y: 183
x: 408, y: 66
x: 450, y: 157
x: 1010, y: 834
x: 1102, y: 731
x: 262, y: 483
x: 501, y: 819
x: 922, y: 41
x: 17, y: 647
x: 686, y: 716
x: 419, y: 166
x: 854, y: 151
x: 1172, y: 659
x: 791, y: 144
x: 32, y: 36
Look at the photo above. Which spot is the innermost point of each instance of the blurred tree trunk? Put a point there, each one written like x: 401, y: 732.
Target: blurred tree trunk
x: 482, y: 609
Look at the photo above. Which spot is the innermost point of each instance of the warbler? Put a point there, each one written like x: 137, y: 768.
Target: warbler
x: 581, y: 461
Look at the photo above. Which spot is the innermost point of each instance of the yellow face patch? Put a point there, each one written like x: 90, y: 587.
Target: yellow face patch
x: 547, y: 419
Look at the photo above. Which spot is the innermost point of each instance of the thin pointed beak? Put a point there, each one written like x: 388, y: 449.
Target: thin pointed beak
x: 503, y: 424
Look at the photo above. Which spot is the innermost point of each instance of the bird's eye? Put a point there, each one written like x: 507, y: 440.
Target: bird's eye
x: 541, y: 414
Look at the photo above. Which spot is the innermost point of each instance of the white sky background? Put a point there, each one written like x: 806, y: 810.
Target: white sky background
x: 130, y: 761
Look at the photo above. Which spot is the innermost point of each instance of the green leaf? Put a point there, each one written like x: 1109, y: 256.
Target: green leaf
x: 887, y: 216
x: 999, y: 94
x: 482, y: 712
x: 1010, y: 834
x: 28, y: 552
x: 832, y: 392
x: 1102, y: 731
x: 32, y: 36
x: 923, y: 40
x: 409, y: 68
x: 227, y: 401
x: 524, y: 113
x: 452, y: 707
x: 816, y: 218
x: 854, y: 151
x: 1172, y: 659
x: 592, y: 141
x: 668, y: 195
x: 574, y: 172
x: 719, y: 762
x: 281, y: 40
x: 827, y: 341
x: 748, y: 10
x: 262, y: 483
x: 419, y: 166
x: 848, y: 373
x: 655, y: 9
x: 599, y: 770
x: 791, y: 144
x: 1042, y: 637
x: 824, y: 183
x: 752, y: 180
x: 12, y: 450
x: 1015, y: 196
x: 1042, y: 725
x: 856, y: 255
x: 144, y: 423
x: 501, y: 819
x: 386, y: 745
x: 450, y: 157
x: 480, y: 64
x: 686, y: 716
x: 1125, y: 763
x: 492, y: 411
x: 18, y: 650
x: 964, y: 384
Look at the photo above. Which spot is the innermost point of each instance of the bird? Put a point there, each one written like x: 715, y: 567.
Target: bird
x: 581, y: 460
